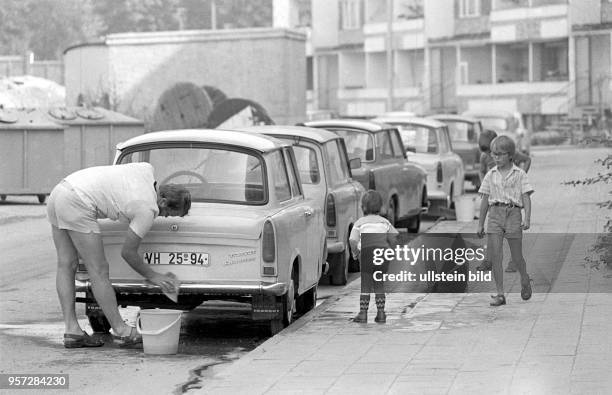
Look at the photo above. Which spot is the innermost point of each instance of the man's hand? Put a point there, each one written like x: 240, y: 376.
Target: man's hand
x: 167, y: 282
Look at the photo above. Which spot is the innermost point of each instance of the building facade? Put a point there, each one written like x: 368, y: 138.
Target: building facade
x: 544, y: 58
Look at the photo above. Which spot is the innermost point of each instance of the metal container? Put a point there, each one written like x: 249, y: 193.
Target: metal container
x: 39, y: 147
x: 31, y: 148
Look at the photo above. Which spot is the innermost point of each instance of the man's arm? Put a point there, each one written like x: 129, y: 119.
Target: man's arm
x: 484, y: 209
x: 129, y: 252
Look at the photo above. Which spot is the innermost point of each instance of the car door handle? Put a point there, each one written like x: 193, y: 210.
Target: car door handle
x: 308, y: 213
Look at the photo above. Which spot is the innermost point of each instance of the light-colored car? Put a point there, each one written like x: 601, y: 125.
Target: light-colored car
x: 325, y: 172
x: 464, y: 133
x: 427, y: 143
x: 509, y: 123
x: 384, y: 168
x: 250, y: 236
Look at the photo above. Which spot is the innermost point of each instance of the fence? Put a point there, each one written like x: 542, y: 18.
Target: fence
x: 11, y: 66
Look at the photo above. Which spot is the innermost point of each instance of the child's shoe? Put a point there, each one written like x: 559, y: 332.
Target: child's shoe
x: 362, y: 316
x: 381, y: 317
x: 510, y: 268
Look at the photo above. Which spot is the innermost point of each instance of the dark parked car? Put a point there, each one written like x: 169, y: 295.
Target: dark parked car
x: 384, y: 167
x: 464, y: 132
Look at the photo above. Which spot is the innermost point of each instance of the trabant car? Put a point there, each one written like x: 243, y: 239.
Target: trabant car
x: 428, y: 143
x: 251, y: 236
x: 464, y: 133
x: 325, y: 172
x: 384, y: 168
x: 509, y: 123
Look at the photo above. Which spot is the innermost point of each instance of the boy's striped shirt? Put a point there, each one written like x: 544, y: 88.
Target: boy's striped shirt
x: 509, y: 189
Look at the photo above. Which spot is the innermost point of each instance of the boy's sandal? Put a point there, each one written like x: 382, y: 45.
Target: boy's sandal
x: 526, y: 290
x: 133, y: 339
x: 78, y: 341
x: 498, y: 300
x: 510, y: 269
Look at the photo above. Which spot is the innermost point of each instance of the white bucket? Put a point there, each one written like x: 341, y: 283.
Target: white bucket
x: 464, y: 208
x: 160, y: 329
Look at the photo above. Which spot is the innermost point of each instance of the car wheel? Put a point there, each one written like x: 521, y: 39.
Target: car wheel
x: 338, y: 272
x: 391, y: 212
x: 307, y: 301
x: 288, y: 306
x: 96, y: 318
x: 41, y: 198
x: 414, y: 224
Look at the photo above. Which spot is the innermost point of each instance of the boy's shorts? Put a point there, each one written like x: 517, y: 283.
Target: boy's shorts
x: 66, y: 210
x: 506, y: 221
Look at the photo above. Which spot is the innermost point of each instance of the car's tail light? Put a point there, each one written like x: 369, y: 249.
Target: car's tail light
x: 439, y: 172
x: 330, y: 211
x: 371, y: 181
x: 268, y: 244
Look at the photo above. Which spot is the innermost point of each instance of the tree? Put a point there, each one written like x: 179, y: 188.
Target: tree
x: 119, y: 16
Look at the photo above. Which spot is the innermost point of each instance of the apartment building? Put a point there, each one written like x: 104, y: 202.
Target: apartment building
x: 543, y: 58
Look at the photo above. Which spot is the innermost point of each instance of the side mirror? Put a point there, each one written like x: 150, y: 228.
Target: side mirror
x: 355, y: 163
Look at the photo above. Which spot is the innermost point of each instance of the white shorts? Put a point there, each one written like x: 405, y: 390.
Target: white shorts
x: 66, y: 210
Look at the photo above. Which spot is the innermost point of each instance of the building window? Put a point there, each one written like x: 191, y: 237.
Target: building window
x: 350, y: 14
x: 550, y: 61
x: 469, y: 8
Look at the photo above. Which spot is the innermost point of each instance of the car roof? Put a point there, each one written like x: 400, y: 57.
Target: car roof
x: 261, y: 143
x: 431, y: 123
x: 453, y: 117
x: 360, y: 124
x: 319, y: 135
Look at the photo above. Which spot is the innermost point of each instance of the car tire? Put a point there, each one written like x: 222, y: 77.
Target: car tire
x: 391, y: 212
x: 414, y: 224
x: 288, y: 307
x: 307, y: 301
x: 339, y: 265
x: 97, y: 319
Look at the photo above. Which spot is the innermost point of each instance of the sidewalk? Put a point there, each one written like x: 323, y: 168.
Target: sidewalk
x: 555, y: 343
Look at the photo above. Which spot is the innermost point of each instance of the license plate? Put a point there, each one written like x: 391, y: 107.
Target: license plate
x: 176, y: 258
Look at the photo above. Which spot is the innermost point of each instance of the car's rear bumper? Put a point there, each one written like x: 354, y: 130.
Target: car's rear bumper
x: 193, y: 288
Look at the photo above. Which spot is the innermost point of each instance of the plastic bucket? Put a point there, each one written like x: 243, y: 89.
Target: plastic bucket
x: 464, y: 208
x: 160, y: 329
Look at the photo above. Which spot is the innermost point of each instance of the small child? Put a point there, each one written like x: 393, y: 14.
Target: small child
x: 384, y: 236
x: 487, y: 163
x: 505, y: 191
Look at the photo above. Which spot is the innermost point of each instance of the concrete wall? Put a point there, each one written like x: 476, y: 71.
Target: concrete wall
x: 585, y: 12
x: 439, y: 18
x: 325, y: 23
x: 87, y: 72
x: 255, y: 64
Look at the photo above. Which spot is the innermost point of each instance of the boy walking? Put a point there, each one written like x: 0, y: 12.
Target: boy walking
x: 383, y: 235
x: 505, y: 191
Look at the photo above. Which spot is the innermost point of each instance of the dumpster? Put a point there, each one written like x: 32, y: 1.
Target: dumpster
x: 57, y: 141
x: 31, y: 148
x: 91, y: 134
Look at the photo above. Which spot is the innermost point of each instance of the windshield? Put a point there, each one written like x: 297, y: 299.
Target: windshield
x: 418, y: 138
x: 358, y: 144
x: 495, y: 123
x: 210, y: 174
x: 461, y: 131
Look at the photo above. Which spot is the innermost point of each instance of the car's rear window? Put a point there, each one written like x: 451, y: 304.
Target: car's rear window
x: 461, y: 131
x: 358, y: 144
x: 418, y: 138
x: 494, y: 123
x: 210, y: 174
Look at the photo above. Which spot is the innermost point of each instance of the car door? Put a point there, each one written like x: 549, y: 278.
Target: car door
x: 452, y: 165
x: 388, y: 171
x: 313, y: 232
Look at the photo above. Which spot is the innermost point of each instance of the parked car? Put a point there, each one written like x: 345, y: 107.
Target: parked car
x: 464, y: 133
x: 505, y: 123
x: 427, y: 143
x: 250, y: 236
x: 384, y: 167
x: 325, y: 172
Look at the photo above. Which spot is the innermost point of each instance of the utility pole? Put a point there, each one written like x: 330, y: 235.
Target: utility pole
x: 389, y: 48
